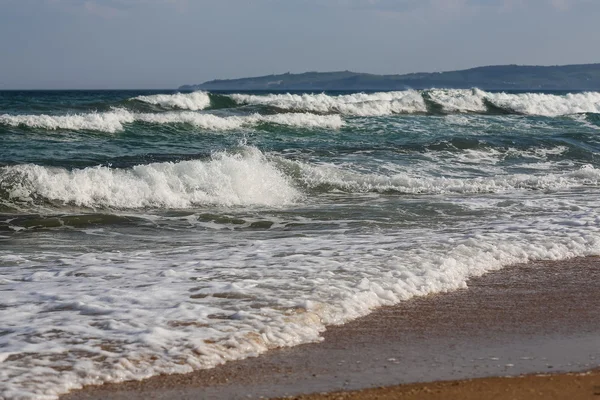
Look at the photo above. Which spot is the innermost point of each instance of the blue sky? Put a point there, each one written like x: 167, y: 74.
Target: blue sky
x: 103, y: 44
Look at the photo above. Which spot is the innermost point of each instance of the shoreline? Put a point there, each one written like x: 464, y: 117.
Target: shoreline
x: 533, y: 318
x: 524, y: 387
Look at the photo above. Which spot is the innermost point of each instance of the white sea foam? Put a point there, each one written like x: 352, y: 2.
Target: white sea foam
x: 92, y: 317
x: 203, y: 121
x: 115, y: 120
x: 453, y: 100
x: 536, y: 158
x: 140, y: 306
x: 333, y: 177
x: 246, y: 178
x: 214, y: 122
x: 547, y: 104
x: 249, y: 178
x: 105, y: 122
x: 523, y: 103
x: 186, y: 101
x: 457, y: 100
x: 359, y: 104
x: 410, y: 101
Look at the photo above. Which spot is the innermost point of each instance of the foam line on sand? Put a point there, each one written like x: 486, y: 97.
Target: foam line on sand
x: 526, y: 319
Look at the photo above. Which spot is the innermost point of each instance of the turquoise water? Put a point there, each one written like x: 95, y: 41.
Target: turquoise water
x: 151, y: 232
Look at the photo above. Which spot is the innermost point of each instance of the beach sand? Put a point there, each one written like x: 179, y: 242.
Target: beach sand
x: 540, y: 317
x: 565, y: 386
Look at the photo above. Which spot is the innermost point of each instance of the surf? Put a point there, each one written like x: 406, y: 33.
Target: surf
x: 117, y: 120
x: 433, y: 101
x: 245, y: 177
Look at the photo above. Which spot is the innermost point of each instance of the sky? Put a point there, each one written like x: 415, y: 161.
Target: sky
x: 135, y: 44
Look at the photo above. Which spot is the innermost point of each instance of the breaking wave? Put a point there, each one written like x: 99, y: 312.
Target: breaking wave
x: 214, y: 122
x: 245, y: 178
x: 430, y: 101
x: 186, y: 101
x: 105, y: 122
x: 315, y: 110
x: 114, y: 121
x: 359, y: 104
x: 331, y: 178
x: 547, y: 104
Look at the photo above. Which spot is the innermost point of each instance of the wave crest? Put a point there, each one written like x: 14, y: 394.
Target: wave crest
x: 186, y: 101
x: 444, y: 100
x: 110, y: 122
x: 359, y: 104
x: 328, y: 178
x: 114, y: 121
x: 245, y: 178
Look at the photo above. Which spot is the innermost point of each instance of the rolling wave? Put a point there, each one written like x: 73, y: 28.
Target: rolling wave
x: 547, y: 104
x: 430, y: 101
x: 314, y: 110
x: 115, y: 120
x: 105, y: 122
x: 332, y: 178
x: 358, y: 104
x: 245, y: 178
x: 185, y: 101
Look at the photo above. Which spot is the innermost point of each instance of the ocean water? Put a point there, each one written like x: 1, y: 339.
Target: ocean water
x: 146, y: 232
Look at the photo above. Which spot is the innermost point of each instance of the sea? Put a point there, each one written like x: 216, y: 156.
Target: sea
x: 152, y: 232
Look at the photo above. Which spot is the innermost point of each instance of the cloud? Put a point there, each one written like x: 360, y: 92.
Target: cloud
x: 562, y: 4
x: 559, y: 5
x: 403, y: 9
x: 114, y: 8
x: 407, y: 6
x: 381, y: 5
x: 93, y: 8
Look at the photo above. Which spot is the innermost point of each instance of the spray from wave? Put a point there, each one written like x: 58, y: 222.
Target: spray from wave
x: 359, y: 104
x: 186, y: 101
x: 444, y: 100
x: 331, y: 178
x: 115, y: 120
x: 105, y: 122
x: 547, y: 104
x: 245, y: 178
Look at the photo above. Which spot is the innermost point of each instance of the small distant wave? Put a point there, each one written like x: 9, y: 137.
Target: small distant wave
x: 185, y: 101
x: 245, y: 178
x: 114, y: 121
x: 431, y: 101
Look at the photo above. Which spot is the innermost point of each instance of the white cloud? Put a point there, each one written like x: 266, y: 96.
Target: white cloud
x: 113, y: 8
x: 100, y: 10
x: 446, y: 5
x: 560, y: 5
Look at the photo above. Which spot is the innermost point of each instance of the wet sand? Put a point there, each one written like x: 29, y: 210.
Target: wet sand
x: 540, y: 317
x: 548, y: 387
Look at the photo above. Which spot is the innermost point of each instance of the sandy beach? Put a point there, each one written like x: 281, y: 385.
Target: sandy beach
x: 555, y: 386
x: 530, y: 319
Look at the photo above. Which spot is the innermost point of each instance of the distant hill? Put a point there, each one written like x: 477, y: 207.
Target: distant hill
x: 501, y: 77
